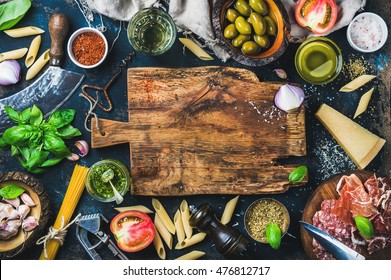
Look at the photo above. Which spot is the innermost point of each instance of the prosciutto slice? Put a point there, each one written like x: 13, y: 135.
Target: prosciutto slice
x: 353, y: 200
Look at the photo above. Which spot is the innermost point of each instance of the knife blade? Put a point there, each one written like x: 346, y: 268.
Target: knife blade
x: 335, y: 247
x: 54, y: 87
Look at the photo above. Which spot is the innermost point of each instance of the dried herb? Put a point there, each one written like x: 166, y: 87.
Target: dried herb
x: 298, y: 174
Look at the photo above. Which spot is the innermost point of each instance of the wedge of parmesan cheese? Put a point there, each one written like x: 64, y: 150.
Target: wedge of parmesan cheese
x: 360, y: 144
x: 363, y: 104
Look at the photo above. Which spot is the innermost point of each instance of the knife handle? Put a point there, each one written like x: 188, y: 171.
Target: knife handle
x: 58, y: 29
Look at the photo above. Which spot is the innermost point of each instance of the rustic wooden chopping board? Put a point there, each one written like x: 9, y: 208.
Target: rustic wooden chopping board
x: 327, y: 190
x: 204, y: 130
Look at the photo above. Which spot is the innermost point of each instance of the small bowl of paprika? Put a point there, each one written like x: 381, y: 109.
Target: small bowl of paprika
x: 87, y: 47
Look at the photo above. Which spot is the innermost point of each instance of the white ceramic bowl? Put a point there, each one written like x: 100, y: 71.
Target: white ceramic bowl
x: 365, y: 19
x: 72, y: 38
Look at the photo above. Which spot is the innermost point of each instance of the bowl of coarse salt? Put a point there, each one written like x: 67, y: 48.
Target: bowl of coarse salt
x: 367, y: 32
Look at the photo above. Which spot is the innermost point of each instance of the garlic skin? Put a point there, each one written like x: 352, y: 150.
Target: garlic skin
x: 9, y: 229
x: 27, y: 200
x: 73, y: 157
x: 83, y: 147
x: 289, y: 98
x: 281, y: 73
x: 29, y: 223
x: 14, y: 202
x: 23, y: 211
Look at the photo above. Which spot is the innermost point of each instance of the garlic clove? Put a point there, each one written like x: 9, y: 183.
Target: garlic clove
x: 73, y: 157
x: 289, y: 98
x: 9, y: 229
x: 281, y: 73
x: 14, y: 202
x: 27, y: 200
x: 29, y: 223
x: 13, y: 215
x: 23, y: 211
x: 83, y: 147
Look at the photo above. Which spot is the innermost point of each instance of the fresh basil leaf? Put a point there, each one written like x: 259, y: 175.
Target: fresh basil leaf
x: 11, y: 191
x: 298, y: 174
x: 55, y: 145
x: 14, y: 115
x: 68, y: 132
x: 14, y: 150
x: 3, y: 144
x: 273, y: 236
x: 37, y: 170
x: 61, y: 118
x: 36, y: 159
x: 12, y: 12
x: 18, y: 135
x: 51, y: 162
x: 22, y: 162
x: 24, y: 116
x: 35, y: 138
x: 25, y: 152
x: 36, y: 116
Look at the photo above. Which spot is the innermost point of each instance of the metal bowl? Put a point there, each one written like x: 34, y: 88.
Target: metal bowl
x: 251, y: 224
x: 273, y: 52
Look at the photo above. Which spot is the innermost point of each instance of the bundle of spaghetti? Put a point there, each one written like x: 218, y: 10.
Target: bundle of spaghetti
x: 71, y: 199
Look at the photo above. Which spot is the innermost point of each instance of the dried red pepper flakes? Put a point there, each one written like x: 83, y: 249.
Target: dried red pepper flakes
x: 88, y: 48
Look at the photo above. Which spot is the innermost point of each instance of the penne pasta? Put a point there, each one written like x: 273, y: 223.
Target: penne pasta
x: 24, y: 31
x: 162, y: 213
x: 229, y: 210
x: 363, y: 104
x: 141, y: 208
x: 357, y: 83
x: 180, y: 231
x: 14, y: 54
x: 33, y: 51
x: 157, y: 242
x: 194, y: 48
x: 193, y: 255
x: 38, y: 65
x: 196, y: 238
x: 185, y: 216
x: 164, y: 233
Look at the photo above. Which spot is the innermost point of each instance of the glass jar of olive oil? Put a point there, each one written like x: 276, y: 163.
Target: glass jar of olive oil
x: 151, y: 31
x: 318, y: 60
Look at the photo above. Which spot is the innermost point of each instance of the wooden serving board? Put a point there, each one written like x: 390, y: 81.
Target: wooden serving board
x: 204, y: 130
x: 327, y: 190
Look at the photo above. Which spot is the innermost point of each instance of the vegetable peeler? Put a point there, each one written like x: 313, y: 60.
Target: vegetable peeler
x: 88, y: 225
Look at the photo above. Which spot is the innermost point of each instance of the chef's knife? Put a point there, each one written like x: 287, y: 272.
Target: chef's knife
x: 54, y: 87
x: 335, y: 247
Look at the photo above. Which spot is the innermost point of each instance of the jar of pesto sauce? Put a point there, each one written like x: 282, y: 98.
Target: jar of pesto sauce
x: 101, y: 190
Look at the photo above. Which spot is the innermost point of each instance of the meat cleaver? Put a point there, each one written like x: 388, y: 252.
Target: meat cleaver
x: 54, y: 87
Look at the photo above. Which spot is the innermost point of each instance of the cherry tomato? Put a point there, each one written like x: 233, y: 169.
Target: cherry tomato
x: 319, y: 16
x: 133, y: 230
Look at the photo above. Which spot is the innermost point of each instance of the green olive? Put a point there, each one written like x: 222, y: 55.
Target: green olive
x: 271, y: 26
x: 258, y: 23
x: 250, y: 48
x: 262, y: 41
x: 242, y: 26
x: 231, y: 15
x: 240, y: 40
x: 243, y: 8
x: 230, y: 31
x: 259, y: 6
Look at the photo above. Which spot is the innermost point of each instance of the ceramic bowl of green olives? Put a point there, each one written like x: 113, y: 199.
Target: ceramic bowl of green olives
x: 253, y: 32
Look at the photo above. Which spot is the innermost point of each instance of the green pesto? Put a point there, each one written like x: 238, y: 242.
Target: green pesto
x: 103, y: 189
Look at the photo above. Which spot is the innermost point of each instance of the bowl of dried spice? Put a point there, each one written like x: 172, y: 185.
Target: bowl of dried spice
x: 87, y: 47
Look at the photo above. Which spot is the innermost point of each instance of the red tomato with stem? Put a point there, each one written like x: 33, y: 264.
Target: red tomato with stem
x: 319, y: 16
x: 133, y: 230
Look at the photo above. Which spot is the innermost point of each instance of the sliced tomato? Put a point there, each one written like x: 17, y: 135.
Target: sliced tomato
x: 319, y: 16
x: 133, y: 230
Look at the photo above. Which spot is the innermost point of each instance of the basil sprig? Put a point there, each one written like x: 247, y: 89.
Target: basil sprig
x: 38, y: 143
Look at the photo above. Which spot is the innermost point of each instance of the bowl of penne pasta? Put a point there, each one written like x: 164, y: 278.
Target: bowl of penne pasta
x: 87, y: 47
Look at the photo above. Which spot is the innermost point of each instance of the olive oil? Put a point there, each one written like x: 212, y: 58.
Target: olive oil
x: 318, y: 60
x: 151, y: 31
